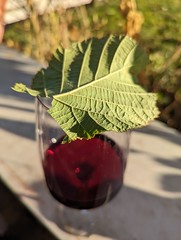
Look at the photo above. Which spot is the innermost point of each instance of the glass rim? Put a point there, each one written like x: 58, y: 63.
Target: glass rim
x: 42, y: 100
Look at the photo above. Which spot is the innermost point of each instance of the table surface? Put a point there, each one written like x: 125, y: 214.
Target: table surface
x: 149, y: 205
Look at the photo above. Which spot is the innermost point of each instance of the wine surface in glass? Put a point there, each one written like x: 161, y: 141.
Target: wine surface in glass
x: 84, y: 174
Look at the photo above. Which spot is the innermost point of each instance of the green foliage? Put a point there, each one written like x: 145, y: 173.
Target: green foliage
x: 161, y: 36
x: 93, y: 87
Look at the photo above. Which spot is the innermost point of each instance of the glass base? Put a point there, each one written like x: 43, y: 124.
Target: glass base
x: 100, y: 221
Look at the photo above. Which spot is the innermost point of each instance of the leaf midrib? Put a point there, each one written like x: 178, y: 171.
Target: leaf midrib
x: 92, y: 82
x: 117, y: 91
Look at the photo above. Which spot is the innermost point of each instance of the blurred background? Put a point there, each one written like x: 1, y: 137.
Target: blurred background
x: 36, y: 28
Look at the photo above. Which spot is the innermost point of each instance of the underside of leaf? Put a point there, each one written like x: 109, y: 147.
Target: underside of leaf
x: 94, y: 87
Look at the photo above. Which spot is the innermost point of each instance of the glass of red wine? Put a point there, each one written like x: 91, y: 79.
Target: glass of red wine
x: 83, y: 176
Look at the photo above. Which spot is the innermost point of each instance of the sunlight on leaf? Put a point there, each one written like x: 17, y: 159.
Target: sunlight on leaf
x: 94, y: 87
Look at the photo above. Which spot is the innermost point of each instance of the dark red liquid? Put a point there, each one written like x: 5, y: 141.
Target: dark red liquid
x: 84, y: 174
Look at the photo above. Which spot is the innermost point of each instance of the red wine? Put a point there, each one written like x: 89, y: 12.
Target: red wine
x: 84, y: 174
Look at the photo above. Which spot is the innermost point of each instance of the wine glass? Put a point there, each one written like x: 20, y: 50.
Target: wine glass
x: 83, y: 176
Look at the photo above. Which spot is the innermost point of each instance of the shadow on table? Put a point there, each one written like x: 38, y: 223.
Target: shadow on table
x: 170, y: 136
x: 15, y: 68
x: 133, y: 214
x: 169, y: 182
x: 20, y: 108
x: 23, y: 129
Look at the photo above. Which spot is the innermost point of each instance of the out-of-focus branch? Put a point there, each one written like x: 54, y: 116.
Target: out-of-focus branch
x: 176, y: 55
x: 134, y: 18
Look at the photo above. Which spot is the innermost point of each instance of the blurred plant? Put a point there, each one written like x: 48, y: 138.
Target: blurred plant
x: 39, y: 35
x: 134, y: 18
x: 161, y: 35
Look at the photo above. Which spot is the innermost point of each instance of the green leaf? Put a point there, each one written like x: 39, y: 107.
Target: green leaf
x: 94, y: 87
x: 102, y: 106
x: 19, y: 87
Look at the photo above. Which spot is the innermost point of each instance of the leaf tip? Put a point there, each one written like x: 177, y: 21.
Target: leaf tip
x: 19, y: 87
